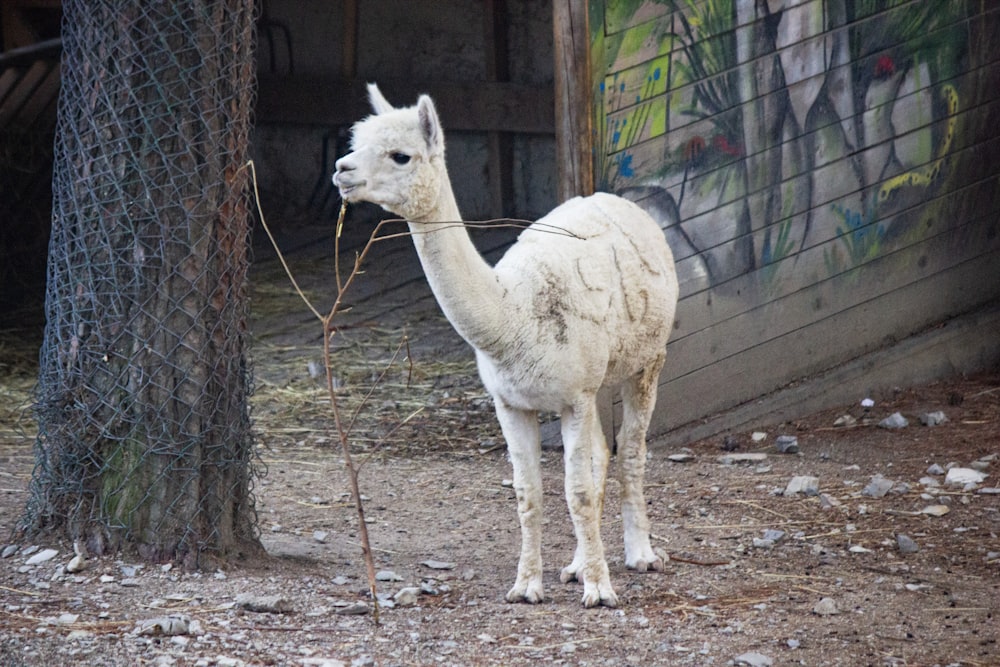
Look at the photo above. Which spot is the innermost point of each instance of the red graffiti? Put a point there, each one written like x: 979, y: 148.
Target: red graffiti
x: 884, y: 67
x: 721, y: 144
x: 694, y: 149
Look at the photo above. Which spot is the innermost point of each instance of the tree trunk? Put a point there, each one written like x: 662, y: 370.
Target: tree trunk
x: 145, y: 437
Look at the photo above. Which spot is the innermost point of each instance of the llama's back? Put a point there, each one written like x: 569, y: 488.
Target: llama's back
x: 603, y: 218
x: 597, y: 272
x: 583, y: 230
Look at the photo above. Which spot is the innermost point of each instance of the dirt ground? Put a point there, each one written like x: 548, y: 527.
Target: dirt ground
x: 442, y: 520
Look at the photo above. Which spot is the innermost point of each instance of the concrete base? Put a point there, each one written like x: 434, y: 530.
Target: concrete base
x: 963, y: 345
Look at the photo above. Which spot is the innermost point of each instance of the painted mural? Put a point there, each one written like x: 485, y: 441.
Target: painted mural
x: 780, y: 143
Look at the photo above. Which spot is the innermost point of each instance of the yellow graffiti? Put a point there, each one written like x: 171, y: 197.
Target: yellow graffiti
x: 924, y: 177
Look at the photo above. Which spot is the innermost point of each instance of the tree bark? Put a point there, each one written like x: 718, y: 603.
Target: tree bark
x: 145, y: 437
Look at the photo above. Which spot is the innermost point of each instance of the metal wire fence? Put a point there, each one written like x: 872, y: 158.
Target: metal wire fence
x: 142, y: 403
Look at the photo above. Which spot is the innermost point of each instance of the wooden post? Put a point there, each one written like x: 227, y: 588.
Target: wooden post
x: 349, y: 53
x: 574, y: 118
x: 501, y: 144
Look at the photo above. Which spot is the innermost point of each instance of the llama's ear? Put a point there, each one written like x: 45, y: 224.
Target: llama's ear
x: 379, y: 104
x: 430, y: 125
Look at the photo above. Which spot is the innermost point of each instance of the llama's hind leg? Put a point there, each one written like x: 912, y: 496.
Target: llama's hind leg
x: 599, y: 467
x: 520, y: 430
x: 580, y: 431
x: 638, y: 401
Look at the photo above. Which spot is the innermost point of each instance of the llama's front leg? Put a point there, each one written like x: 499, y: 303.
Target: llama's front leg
x: 580, y: 431
x: 638, y: 401
x: 520, y: 430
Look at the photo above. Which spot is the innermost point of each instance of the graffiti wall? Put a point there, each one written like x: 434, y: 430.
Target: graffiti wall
x: 825, y: 172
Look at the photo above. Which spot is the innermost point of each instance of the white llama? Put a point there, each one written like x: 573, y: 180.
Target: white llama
x: 558, y: 317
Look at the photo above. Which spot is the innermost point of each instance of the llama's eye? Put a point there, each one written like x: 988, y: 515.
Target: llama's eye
x: 400, y: 158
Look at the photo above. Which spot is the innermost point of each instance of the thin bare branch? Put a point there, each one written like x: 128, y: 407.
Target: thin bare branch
x: 274, y: 243
x: 496, y: 223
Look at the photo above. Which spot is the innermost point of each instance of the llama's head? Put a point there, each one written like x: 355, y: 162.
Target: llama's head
x: 396, y: 158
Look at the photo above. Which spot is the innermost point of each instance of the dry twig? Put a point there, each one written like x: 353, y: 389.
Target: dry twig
x: 328, y: 331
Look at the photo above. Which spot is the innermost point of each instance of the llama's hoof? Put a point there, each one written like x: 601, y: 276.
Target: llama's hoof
x: 642, y: 558
x: 530, y: 592
x: 569, y: 573
x: 599, y: 595
x: 642, y: 565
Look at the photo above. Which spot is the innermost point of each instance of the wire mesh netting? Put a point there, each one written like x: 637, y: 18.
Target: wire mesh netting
x: 142, y: 403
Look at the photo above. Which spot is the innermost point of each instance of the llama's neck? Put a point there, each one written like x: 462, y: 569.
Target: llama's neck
x: 465, y: 285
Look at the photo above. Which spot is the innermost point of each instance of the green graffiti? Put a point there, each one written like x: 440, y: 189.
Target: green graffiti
x: 924, y: 177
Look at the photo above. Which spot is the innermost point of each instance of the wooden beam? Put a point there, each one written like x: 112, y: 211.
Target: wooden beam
x: 573, y: 113
x: 349, y: 52
x: 500, y: 163
x: 326, y: 102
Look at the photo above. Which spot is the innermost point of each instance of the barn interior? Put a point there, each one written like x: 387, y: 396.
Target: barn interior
x: 489, y: 68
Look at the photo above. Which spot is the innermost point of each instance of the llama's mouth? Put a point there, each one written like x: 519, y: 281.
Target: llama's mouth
x: 346, y: 187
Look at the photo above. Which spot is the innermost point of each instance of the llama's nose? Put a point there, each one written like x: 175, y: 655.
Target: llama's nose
x: 342, y: 165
